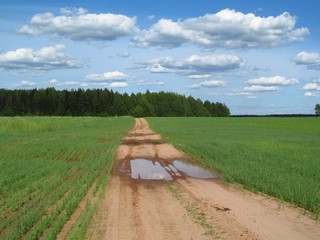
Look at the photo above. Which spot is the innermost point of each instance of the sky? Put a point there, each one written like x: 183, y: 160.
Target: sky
x: 257, y: 57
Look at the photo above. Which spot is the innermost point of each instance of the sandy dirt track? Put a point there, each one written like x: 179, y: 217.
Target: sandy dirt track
x: 187, y: 208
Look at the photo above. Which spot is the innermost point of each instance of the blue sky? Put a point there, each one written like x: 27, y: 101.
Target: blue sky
x: 258, y: 57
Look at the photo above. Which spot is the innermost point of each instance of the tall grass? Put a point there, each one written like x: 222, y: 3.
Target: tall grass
x: 276, y: 156
x: 47, y: 165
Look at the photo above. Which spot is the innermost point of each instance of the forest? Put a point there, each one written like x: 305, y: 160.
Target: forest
x: 104, y: 102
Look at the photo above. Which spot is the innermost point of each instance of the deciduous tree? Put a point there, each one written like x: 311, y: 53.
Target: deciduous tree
x: 317, y: 109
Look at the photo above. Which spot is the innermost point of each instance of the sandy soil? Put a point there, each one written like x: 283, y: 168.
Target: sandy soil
x: 187, y: 208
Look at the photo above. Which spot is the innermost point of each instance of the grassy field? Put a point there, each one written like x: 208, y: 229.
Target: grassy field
x: 48, y: 165
x: 277, y: 156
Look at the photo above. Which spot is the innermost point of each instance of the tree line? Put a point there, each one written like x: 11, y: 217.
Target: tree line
x: 104, y: 102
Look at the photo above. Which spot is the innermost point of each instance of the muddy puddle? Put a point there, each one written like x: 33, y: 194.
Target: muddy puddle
x: 144, y: 169
x: 144, y: 155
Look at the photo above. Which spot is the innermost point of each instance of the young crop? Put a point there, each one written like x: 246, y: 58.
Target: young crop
x: 277, y: 156
x: 48, y: 165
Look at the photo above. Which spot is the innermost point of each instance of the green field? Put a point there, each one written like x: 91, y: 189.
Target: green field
x: 277, y: 156
x: 48, y: 164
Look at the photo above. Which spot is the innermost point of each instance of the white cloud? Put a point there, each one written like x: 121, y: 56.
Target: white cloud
x: 209, y: 84
x: 56, y: 82
x: 258, y: 88
x: 149, y: 83
x: 77, y: 24
x: 193, y: 66
x: 311, y: 86
x: 107, y: 76
x: 164, y: 33
x: 150, y: 17
x: 276, y: 80
x: 53, y: 81
x: 310, y: 59
x: 225, y: 29
x: 267, y: 84
x: 310, y: 94
x: 307, y: 58
x: 118, y: 85
x: 113, y: 79
x: 27, y: 83
x: 157, y: 65
x: 38, y: 61
x: 199, y: 76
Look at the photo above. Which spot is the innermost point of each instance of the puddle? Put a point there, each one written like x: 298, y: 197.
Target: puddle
x: 146, y: 169
x: 156, y: 170
x: 192, y: 170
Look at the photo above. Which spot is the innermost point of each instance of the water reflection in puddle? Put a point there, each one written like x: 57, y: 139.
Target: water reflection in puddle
x: 192, y: 170
x: 147, y: 169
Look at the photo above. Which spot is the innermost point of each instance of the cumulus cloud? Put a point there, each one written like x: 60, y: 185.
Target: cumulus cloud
x: 311, y: 94
x: 113, y: 79
x: 193, y: 66
x: 276, y: 80
x: 268, y: 84
x: 258, y: 88
x: 27, y: 83
x: 38, y: 61
x: 309, y: 59
x: 107, y: 76
x: 77, y: 24
x: 312, y: 86
x: 210, y: 84
x: 53, y: 81
x: 118, y: 85
x: 225, y: 29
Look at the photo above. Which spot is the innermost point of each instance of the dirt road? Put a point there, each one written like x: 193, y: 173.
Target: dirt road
x: 138, y: 205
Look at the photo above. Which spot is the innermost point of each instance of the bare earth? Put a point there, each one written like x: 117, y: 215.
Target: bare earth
x: 187, y: 208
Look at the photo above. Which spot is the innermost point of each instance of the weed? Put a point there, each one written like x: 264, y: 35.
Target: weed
x: 193, y: 210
